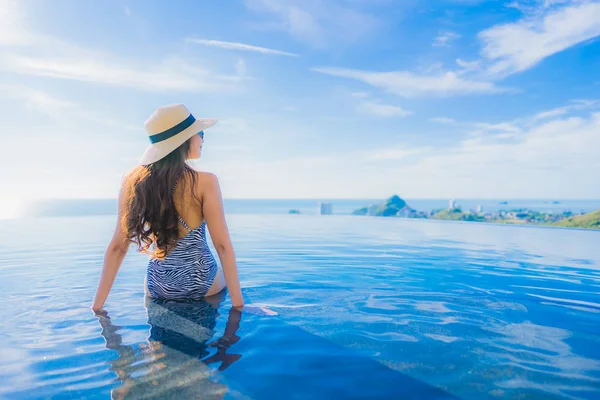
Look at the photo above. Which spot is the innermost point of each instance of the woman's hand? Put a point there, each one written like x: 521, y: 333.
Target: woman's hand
x: 99, y: 312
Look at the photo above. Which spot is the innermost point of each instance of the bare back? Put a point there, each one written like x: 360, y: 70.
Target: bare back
x: 189, y: 206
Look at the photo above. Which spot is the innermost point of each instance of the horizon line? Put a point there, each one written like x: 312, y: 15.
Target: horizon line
x: 347, y: 198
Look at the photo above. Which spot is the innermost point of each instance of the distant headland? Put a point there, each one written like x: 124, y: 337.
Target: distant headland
x: 397, y: 207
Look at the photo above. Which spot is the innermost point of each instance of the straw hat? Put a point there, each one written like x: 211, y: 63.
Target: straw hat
x: 168, y: 128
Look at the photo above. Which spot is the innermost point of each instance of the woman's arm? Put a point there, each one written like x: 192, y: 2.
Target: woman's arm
x: 113, y: 257
x: 212, y: 209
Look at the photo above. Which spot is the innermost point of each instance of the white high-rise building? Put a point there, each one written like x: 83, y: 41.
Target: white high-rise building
x: 479, y: 208
x: 451, y: 204
x: 325, y: 208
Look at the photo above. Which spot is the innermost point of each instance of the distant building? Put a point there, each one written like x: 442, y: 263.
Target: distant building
x: 479, y: 208
x: 325, y: 208
x: 451, y: 204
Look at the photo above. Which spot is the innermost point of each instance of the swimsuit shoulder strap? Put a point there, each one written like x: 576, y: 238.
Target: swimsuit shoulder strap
x: 181, y: 220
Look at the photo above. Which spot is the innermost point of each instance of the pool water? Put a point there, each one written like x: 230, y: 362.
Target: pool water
x: 368, y: 308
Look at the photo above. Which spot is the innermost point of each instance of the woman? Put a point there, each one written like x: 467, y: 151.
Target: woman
x: 164, y: 208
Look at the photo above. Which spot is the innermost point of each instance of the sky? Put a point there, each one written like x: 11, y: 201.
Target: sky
x: 315, y: 98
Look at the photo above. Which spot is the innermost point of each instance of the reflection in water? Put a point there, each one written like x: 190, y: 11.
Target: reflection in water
x: 174, y: 363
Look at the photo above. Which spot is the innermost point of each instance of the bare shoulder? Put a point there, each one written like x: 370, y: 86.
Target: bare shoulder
x: 207, y: 181
x: 206, y: 177
x: 126, y: 188
x: 126, y: 181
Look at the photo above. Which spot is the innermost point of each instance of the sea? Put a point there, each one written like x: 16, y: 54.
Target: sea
x: 368, y: 308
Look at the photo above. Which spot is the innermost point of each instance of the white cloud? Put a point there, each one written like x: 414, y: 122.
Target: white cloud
x: 383, y: 110
x: 63, y: 111
x: 408, y: 84
x: 520, y: 45
x: 240, y: 47
x: 553, y: 157
x: 468, y: 66
x: 25, y: 51
x: 548, y: 27
x: 13, y: 31
x: 536, y: 6
x: 551, y: 113
x: 484, y: 127
x: 37, y: 99
x: 316, y: 22
x: 479, y: 130
x: 575, y: 105
x: 444, y: 38
x: 443, y: 120
x: 168, y: 75
x: 514, y: 127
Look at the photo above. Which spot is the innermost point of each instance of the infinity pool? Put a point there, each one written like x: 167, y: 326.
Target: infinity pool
x: 368, y: 308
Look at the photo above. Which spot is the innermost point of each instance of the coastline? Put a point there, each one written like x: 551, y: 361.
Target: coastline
x: 399, y: 208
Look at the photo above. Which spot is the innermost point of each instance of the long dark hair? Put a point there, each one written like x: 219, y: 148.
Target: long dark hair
x: 150, y: 216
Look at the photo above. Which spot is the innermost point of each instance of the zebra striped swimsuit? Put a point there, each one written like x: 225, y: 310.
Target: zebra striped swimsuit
x: 187, y: 272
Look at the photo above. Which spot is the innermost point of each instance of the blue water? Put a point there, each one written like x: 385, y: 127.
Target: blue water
x: 79, y: 207
x: 368, y: 308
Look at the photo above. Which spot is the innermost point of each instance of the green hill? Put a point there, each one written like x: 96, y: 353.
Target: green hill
x: 390, y: 207
x: 361, y: 211
x: 456, y: 215
x: 449, y: 214
x: 590, y: 221
x: 387, y: 208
